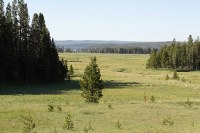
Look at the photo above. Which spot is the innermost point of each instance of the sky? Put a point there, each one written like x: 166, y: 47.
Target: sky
x: 125, y: 20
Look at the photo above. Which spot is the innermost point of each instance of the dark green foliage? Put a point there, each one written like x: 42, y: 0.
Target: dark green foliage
x: 27, y: 52
x: 91, y: 83
x: 69, y: 125
x: 28, y: 124
x: 182, y: 57
x: 71, y: 70
x: 66, y: 70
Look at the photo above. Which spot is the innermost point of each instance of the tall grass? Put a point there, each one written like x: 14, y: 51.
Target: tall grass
x: 126, y: 80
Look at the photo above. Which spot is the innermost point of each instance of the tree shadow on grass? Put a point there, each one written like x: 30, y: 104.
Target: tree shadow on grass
x: 111, y: 84
x: 56, y: 88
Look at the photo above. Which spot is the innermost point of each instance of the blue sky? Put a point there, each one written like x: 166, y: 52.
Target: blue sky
x: 131, y: 20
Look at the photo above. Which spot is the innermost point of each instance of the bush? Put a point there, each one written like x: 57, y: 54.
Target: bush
x: 118, y: 124
x: 50, y: 107
x: 59, y: 108
x: 87, y: 129
x: 29, y: 125
x: 71, y: 70
x: 175, y: 75
x: 183, y: 79
x: 152, y: 98
x: 69, y: 125
x: 167, y: 121
x: 167, y: 77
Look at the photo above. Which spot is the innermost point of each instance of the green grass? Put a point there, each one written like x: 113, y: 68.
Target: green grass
x: 126, y: 80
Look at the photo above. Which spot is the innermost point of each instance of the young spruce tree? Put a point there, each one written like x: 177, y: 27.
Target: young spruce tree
x: 91, y: 82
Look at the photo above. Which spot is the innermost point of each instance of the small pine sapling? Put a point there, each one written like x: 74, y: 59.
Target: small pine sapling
x: 118, y: 124
x: 28, y: 123
x: 175, y: 75
x: 167, y: 121
x: 50, y: 107
x: 183, y: 79
x: 152, y: 98
x: 167, y: 77
x: 69, y: 125
x: 145, y: 97
x: 87, y: 129
x: 59, y: 108
x: 71, y: 70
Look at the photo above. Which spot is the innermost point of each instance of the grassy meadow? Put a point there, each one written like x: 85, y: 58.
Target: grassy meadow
x: 126, y: 82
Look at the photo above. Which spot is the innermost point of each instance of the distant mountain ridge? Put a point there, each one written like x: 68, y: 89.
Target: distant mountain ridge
x: 82, y: 44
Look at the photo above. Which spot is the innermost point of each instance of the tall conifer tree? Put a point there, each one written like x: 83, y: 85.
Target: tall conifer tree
x: 91, y: 82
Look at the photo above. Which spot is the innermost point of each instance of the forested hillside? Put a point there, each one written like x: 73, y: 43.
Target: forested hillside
x: 180, y: 56
x: 121, y: 47
x: 27, y: 52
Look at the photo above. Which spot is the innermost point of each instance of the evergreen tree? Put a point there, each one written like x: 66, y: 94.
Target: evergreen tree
x: 2, y: 41
x: 189, y: 51
x: 196, y: 50
x: 153, y: 61
x: 27, y: 53
x: 175, y: 75
x: 185, y: 56
x: 33, y: 53
x: 71, y: 70
x: 91, y: 82
x: 54, y: 61
x: 23, y: 40
x: 66, y: 70
x: 10, y: 58
x: 165, y: 58
x: 1, y: 8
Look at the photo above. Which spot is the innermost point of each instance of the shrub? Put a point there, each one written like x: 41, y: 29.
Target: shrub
x: 28, y: 123
x: 175, y: 75
x: 145, y: 97
x: 50, y: 107
x: 152, y: 98
x: 87, y: 129
x: 59, y: 108
x: 167, y: 77
x: 167, y: 121
x: 71, y: 70
x: 183, y: 79
x: 69, y: 125
x: 118, y: 124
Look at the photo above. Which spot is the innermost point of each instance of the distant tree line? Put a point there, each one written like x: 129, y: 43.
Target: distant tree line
x: 179, y: 56
x: 27, y: 52
x: 107, y: 49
